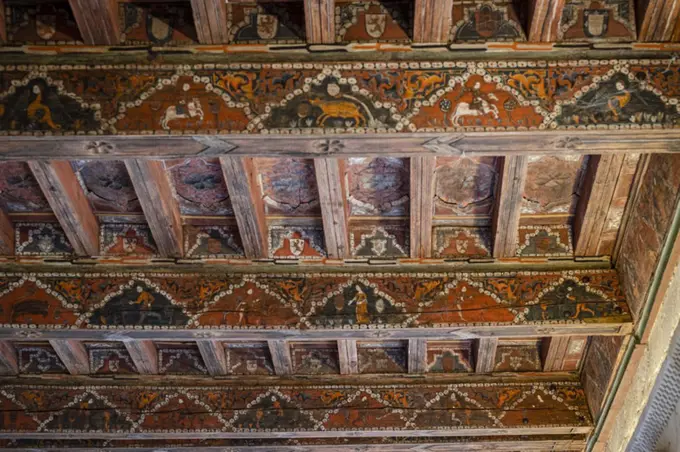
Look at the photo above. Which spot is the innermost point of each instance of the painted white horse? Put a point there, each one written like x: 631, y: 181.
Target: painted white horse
x: 192, y: 110
x: 463, y: 109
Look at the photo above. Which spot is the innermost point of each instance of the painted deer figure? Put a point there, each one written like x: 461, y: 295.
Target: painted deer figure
x: 463, y: 109
x: 192, y: 110
x: 338, y: 109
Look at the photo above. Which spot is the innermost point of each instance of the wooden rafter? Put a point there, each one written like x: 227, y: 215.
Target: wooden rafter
x: 154, y: 191
x: 544, y: 19
x: 320, y: 21
x: 213, y: 356
x: 348, y: 357
x: 660, y: 22
x: 417, y: 356
x: 599, y: 186
x: 330, y: 178
x: 210, y: 19
x: 486, y: 354
x: 556, y: 352
x: 8, y: 359
x: 432, y: 21
x: 62, y: 190
x: 281, y: 359
x: 97, y: 21
x: 3, y: 26
x: 509, y: 190
x: 6, y: 234
x: 73, y: 354
x: 239, y: 175
x: 144, y: 355
x: 422, y: 205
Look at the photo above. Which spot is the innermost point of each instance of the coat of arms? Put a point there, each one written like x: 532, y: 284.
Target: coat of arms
x: 595, y: 22
x: 46, y: 23
x: 375, y: 24
x: 267, y: 26
x: 296, y: 246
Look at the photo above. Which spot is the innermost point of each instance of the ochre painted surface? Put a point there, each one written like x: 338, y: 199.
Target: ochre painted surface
x: 309, y: 301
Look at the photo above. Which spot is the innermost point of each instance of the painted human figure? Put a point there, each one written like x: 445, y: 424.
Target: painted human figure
x: 361, y: 306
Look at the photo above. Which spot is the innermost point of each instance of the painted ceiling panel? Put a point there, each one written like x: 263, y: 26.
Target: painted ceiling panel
x: 378, y: 186
x: 19, y: 191
x: 382, y: 21
x: 288, y: 186
x: 107, y: 185
x: 465, y: 186
x: 553, y: 183
x: 599, y: 20
x: 200, y: 188
x: 483, y: 20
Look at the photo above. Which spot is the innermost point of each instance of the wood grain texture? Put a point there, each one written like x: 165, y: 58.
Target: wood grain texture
x: 422, y: 208
x: 210, y: 19
x: 562, y: 353
x: 330, y: 178
x: 509, y: 191
x: 144, y: 354
x: 417, y: 356
x: 432, y: 21
x: 485, y: 354
x: 213, y: 356
x: 660, y: 22
x: 281, y: 358
x: 632, y: 203
x: 3, y: 26
x: 320, y: 21
x: 8, y: 359
x: 348, y: 356
x: 62, y: 190
x: 599, y: 185
x: 73, y: 354
x: 155, y: 194
x: 97, y: 21
x: 240, y: 177
x: 544, y: 19
x: 6, y: 234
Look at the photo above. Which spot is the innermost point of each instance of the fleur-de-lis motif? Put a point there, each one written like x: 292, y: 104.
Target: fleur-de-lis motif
x: 99, y: 147
x: 328, y: 147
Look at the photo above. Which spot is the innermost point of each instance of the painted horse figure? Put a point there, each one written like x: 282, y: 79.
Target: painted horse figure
x: 193, y: 109
x: 464, y: 109
x: 341, y: 109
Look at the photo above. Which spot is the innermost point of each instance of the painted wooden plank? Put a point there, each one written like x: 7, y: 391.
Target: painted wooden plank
x: 417, y: 356
x: 161, y: 210
x: 330, y: 179
x: 210, y: 19
x: 69, y: 203
x: 544, y: 19
x: 281, y: 358
x: 73, y: 354
x: 660, y: 21
x: 599, y: 185
x: 144, y: 354
x: 3, y: 26
x: 432, y: 21
x: 8, y: 359
x: 422, y: 205
x: 562, y: 353
x: 6, y: 234
x: 636, y: 189
x: 213, y: 356
x: 97, y: 21
x: 509, y: 191
x: 239, y: 175
x: 320, y: 21
x: 486, y: 354
x: 348, y: 356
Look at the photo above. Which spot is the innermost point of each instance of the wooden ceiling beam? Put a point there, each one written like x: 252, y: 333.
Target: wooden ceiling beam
x: 320, y: 21
x: 508, y: 207
x: 161, y: 210
x: 422, y: 205
x: 3, y: 26
x: 417, y: 356
x: 240, y: 177
x: 8, y: 359
x: 599, y: 186
x: 210, y: 19
x: 432, y: 21
x: 281, y: 358
x: 144, y: 355
x: 660, y: 22
x: 73, y: 354
x: 214, y: 357
x: 544, y: 19
x: 556, y: 352
x: 485, y: 354
x: 69, y: 203
x: 97, y: 21
x: 6, y: 234
x: 330, y: 179
x: 348, y: 357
